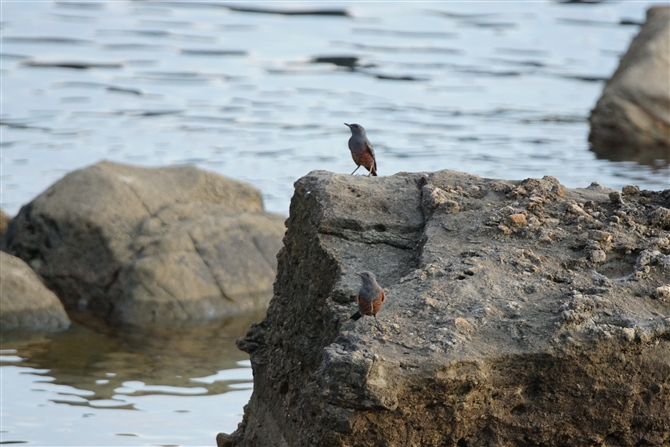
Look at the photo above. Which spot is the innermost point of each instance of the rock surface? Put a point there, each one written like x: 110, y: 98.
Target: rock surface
x: 25, y: 303
x: 631, y: 120
x: 497, y: 330
x: 139, y: 245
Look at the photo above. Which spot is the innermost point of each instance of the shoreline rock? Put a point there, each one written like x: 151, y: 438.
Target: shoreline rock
x: 139, y: 245
x: 546, y: 329
x: 631, y: 120
x: 25, y: 303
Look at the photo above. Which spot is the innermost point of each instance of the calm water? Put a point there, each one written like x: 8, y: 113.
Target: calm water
x: 164, y: 386
x: 500, y: 89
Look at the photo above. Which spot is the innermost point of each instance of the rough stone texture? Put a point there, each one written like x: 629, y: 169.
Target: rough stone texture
x: 140, y: 245
x: 631, y: 120
x: 493, y: 333
x: 25, y: 303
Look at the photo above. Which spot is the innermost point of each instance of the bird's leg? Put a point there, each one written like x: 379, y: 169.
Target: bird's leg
x: 356, y: 169
x: 377, y: 323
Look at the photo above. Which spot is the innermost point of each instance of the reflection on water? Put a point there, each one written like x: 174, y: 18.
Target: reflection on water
x: 159, y: 385
x: 657, y: 157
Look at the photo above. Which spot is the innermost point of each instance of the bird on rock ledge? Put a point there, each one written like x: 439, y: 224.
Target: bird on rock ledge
x: 370, y: 297
x: 361, y: 149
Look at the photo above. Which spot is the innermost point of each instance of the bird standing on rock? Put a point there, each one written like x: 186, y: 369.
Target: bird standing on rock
x: 361, y: 149
x: 370, y: 297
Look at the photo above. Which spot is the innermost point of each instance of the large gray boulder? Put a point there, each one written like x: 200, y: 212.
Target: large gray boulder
x: 517, y: 314
x: 631, y: 120
x: 25, y: 303
x: 141, y: 245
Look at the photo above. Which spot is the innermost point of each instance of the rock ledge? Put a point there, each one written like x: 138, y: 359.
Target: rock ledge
x: 518, y: 313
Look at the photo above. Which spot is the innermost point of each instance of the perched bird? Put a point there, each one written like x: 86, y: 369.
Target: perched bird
x: 361, y: 149
x: 370, y: 297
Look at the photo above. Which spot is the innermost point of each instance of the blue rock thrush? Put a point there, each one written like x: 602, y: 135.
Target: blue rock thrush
x: 361, y: 149
x: 370, y: 297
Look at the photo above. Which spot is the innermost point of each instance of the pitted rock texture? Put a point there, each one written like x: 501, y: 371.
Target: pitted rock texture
x: 138, y: 245
x: 631, y: 120
x: 517, y: 314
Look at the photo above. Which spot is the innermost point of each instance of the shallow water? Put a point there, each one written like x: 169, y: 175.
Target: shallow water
x: 499, y: 89
x: 160, y: 386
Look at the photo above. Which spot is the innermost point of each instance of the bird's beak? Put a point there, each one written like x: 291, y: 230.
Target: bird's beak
x: 359, y: 273
x: 348, y: 125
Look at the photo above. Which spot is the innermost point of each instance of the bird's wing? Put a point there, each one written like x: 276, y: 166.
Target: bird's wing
x: 369, y: 147
x: 382, y: 295
x: 372, y: 151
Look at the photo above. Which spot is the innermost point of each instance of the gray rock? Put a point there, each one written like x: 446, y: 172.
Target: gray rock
x: 140, y: 245
x: 491, y: 333
x: 631, y: 120
x: 25, y: 303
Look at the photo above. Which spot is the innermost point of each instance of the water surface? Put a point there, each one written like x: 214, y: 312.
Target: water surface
x: 169, y: 385
x: 499, y: 89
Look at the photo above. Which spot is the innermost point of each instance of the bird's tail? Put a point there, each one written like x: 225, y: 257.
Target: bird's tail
x: 357, y: 315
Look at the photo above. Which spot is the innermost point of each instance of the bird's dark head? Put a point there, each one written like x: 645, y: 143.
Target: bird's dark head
x: 356, y: 129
